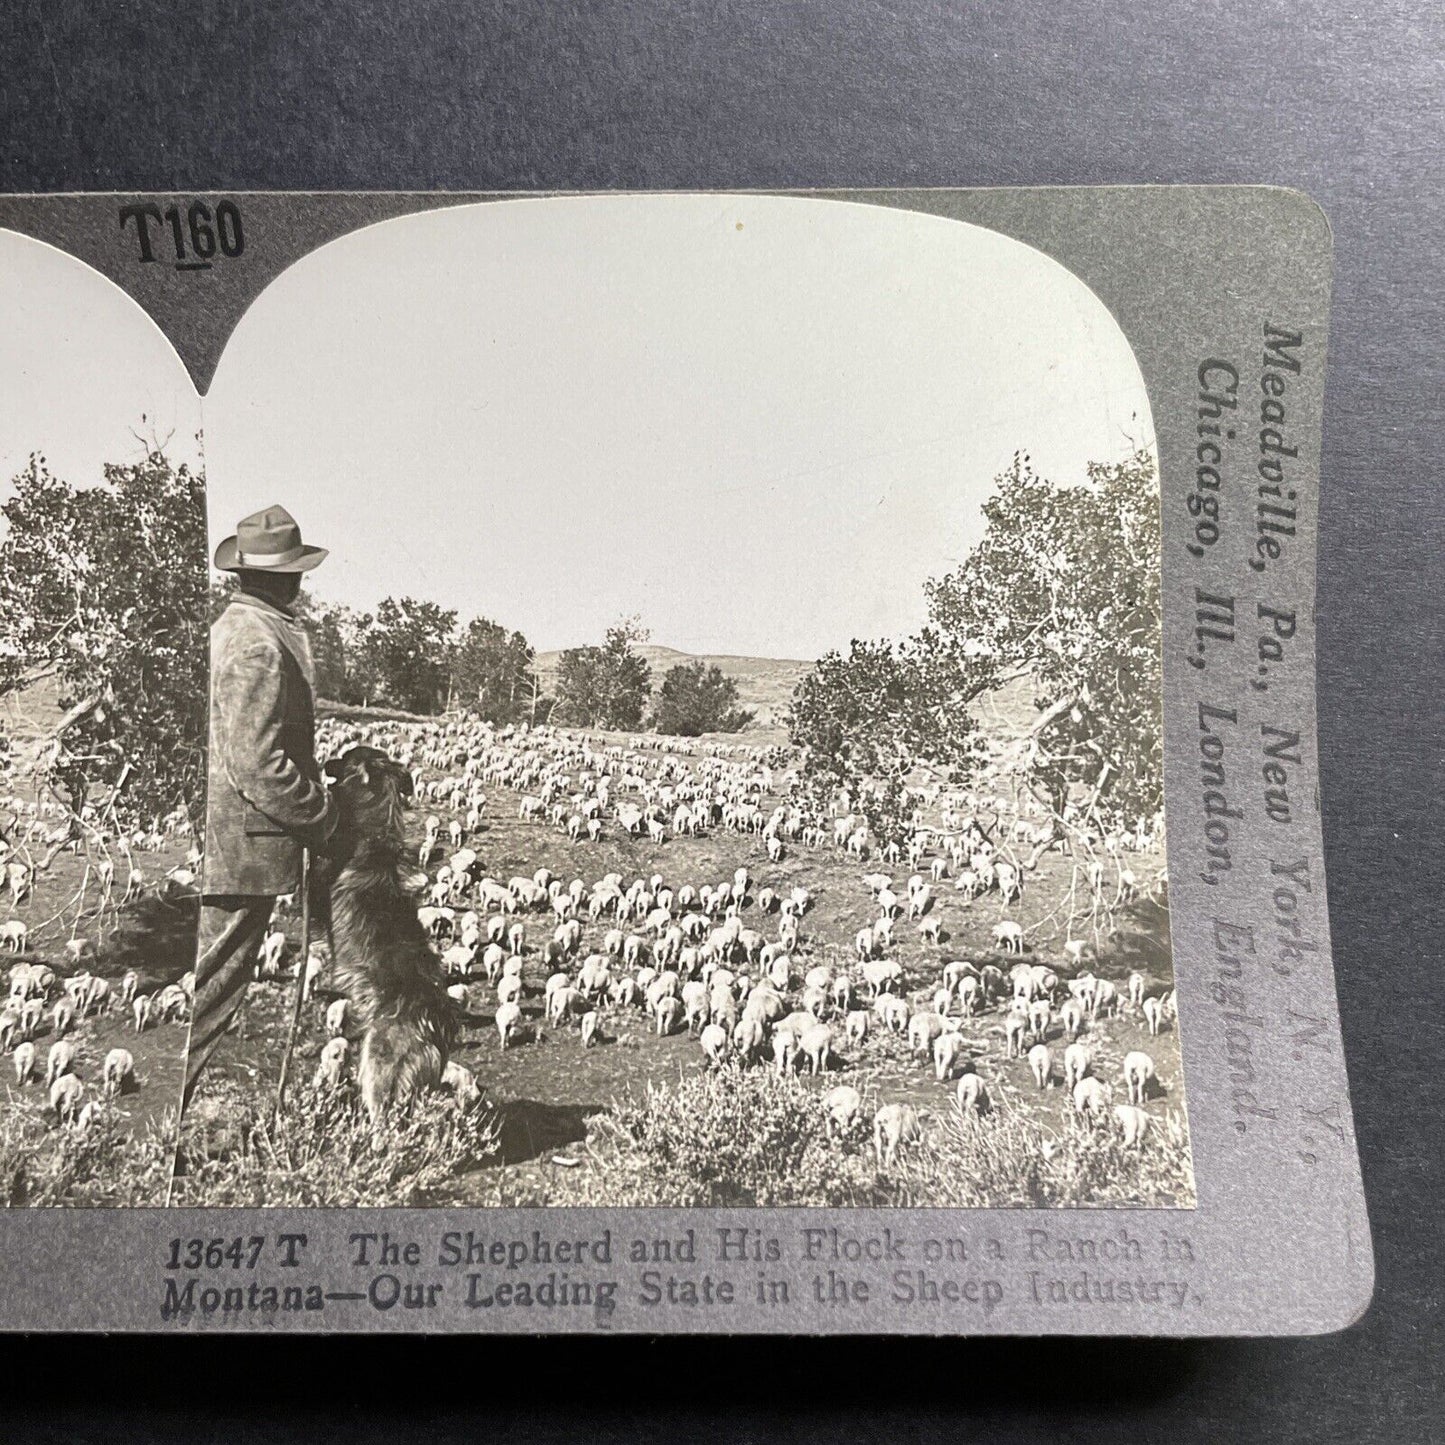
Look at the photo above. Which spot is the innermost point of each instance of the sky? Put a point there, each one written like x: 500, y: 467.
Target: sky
x: 82, y: 370
x: 761, y: 423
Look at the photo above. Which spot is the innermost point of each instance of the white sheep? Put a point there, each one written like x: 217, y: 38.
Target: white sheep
x: 947, y: 1050
x: 1133, y: 1124
x: 1009, y: 936
x: 714, y: 1041
x: 117, y: 1072
x: 590, y: 1021
x: 25, y: 1062
x: 855, y: 1025
x: 509, y: 1016
x: 1091, y: 1098
x: 462, y: 1082
x: 816, y: 1044
x: 1041, y: 1063
x: 60, y: 1060
x: 1138, y: 1071
x: 894, y: 1125
x: 972, y: 1095
x: 1077, y: 1063
x: 331, y: 1066
x: 141, y: 1011
x: 66, y: 1095
x: 842, y: 1106
x: 1153, y: 1014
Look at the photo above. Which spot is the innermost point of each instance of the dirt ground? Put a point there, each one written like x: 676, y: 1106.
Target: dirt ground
x: 547, y: 1084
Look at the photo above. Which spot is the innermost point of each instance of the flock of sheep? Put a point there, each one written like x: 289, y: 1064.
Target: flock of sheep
x: 56, y: 1010
x: 736, y: 962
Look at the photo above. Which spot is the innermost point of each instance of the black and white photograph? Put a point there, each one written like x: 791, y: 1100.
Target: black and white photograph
x: 685, y: 724
x: 102, y: 733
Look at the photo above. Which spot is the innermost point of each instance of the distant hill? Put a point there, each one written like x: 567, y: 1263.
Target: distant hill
x: 765, y: 684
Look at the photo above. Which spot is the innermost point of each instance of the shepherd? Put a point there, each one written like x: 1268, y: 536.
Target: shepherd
x: 265, y: 800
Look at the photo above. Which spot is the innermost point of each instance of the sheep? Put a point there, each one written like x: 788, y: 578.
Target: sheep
x: 1040, y: 1015
x: 1041, y: 1063
x: 1091, y: 1098
x: 1153, y: 1014
x: 129, y: 983
x: 923, y: 1028
x: 273, y: 954
x: 336, y: 1017
x: 666, y: 1013
x: 141, y: 1011
x: 457, y: 992
x: 931, y: 930
x: 893, y: 1011
x: 855, y: 1026
x: 1138, y: 1072
x: 968, y: 995
x: 63, y: 1017
x: 714, y: 1041
x: 785, y: 1050
x: 947, y: 1050
x: 894, y: 1125
x: 315, y: 964
x: 25, y: 1062
x: 66, y: 1094
x: 1077, y: 1063
x: 972, y: 1095
x: 1015, y: 1026
x: 331, y: 1066
x: 748, y: 1037
x: 864, y: 945
x: 1133, y: 1124
x: 842, y: 1106
x: 508, y: 1017
x: 881, y: 975
x: 509, y: 989
x: 590, y: 1021
x: 1071, y: 1015
x: 462, y: 1082
x: 118, y: 1071
x: 1106, y: 999
x: 816, y: 1044
x: 1074, y: 951
x: 1136, y: 989
x: 59, y: 1061
x: 1009, y: 936
x: 79, y: 950
x: 14, y: 935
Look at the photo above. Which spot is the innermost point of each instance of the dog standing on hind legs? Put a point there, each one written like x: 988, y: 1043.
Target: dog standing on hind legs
x: 380, y: 956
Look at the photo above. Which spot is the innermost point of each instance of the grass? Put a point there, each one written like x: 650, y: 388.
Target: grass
x: 322, y: 1152
x: 107, y: 1165
x: 733, y: 1138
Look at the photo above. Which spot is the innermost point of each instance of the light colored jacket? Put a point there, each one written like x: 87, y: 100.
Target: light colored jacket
x: 264, y: 798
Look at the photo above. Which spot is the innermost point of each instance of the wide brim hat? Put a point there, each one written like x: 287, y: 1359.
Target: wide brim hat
x: 267, y: 541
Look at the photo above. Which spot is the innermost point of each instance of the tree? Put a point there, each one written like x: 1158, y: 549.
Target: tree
x: 867, y: 721
x: 695, y: 698
x: 1062, y: 590
x: 404, y: 653
x: 605, y: 686
x: 104, y: 588
x: 493, y: 672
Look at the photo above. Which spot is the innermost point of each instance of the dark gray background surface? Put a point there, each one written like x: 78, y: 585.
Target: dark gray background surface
x: 1345, y: 103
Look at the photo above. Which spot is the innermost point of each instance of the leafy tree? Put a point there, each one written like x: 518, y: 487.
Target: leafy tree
x: 493, y: 671
x: 104, y: 588
x: 867, y: 721
x: 403, y: 654
x: 695, y: 698
x: 605, y: 686
x: 1062, y: 589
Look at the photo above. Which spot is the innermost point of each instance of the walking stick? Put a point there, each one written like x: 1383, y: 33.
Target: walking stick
x: 301, y: 983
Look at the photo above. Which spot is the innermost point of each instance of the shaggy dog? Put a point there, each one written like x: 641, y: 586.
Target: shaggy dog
x: 380, y: 956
